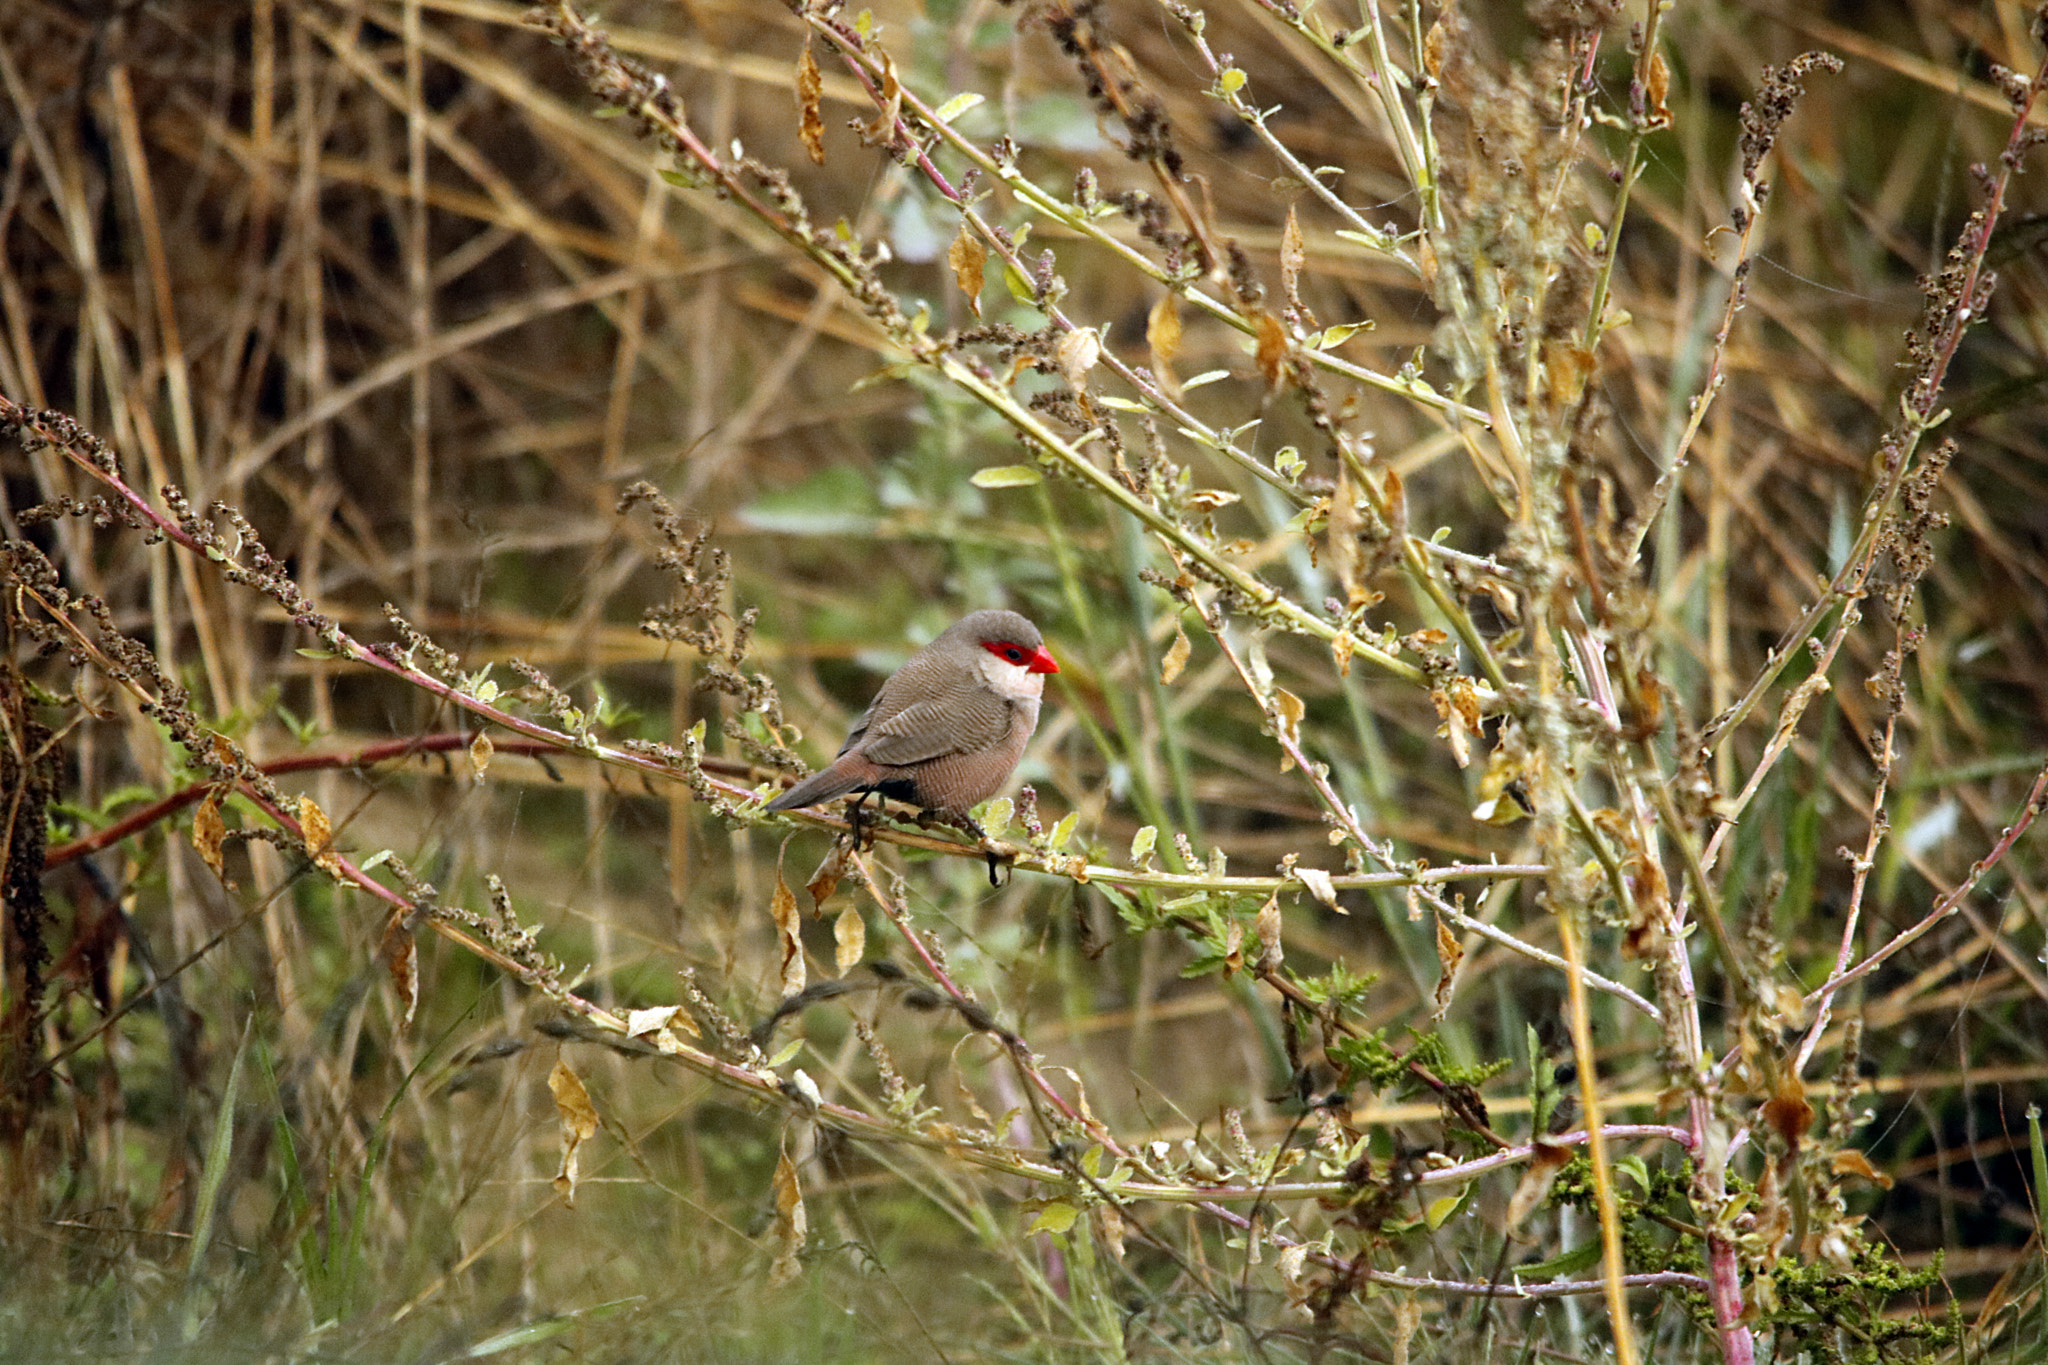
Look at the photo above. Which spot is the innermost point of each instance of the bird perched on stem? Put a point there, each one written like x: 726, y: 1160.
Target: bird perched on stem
x: 946, y: 731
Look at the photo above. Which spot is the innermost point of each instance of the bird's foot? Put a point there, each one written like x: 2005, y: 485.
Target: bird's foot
x: 856, y: 828
x: 996, y: 851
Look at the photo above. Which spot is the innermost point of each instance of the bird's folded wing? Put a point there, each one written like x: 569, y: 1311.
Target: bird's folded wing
x: 956, y: 724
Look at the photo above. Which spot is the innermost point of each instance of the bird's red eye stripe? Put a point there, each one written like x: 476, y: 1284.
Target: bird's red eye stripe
x: 1031, y: 660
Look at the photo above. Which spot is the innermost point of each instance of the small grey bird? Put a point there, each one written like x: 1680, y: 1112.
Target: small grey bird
x: 946, y: 731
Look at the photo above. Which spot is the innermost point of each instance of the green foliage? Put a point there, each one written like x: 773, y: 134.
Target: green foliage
x: 1518, y: 676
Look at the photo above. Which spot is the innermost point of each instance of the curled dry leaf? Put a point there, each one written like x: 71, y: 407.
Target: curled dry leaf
x: 401, y: 960
x: 1272, y: 348
x: 1267, y: 926
x: 850, y: 940
x: 209, y: 831
x: 579, y: 1125
x: 480, y: 751
x: 1111, y: 1221
x: 1849, y: 1161
x: 318, y: 836
x: 810, y: 89
x: 1449, y: 953
x: 1544, y: 1165
x: 1658, y: 88
x: 792, y: 1224
x: 1320, y: 886
x: 825, y: 880
x: 648, y: 1022
x: 789, y: 931
x: 1502, y: 799
x: 1076, y: 354
x: 1457, y: 706
x: 1787, y: 1111
x: 968, y: 257
x: 1292, y: 257
x: 1344, y: 528
x: 1162, y: 335
x: 1290, y: 710
x: 1176, y: 656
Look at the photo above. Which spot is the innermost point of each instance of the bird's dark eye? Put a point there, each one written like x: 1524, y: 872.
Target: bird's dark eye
x: 1013, y: 654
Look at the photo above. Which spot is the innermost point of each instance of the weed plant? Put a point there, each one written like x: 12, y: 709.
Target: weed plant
x: 1529, y: 856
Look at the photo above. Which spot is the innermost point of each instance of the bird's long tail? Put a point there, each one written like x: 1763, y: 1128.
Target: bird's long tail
x: 819, y: 786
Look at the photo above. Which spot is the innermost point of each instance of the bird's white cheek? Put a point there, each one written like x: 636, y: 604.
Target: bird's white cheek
x: 1013, y: 682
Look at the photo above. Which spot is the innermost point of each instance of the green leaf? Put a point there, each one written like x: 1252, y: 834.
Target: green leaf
x: 958, y: 105
x: 997, y: 814
x: 1055, y: 1218
x: 1561, y: 1267
x: 1063, y: 831
x: 1007, y: 476
x: 1440, y: 1210
x: 212, y: 1173
x: 1339, y: 334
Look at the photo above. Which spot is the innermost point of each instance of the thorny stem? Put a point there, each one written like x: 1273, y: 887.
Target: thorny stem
x: 2037, y: 800
x: 1959, y: 306
x: 388, y: 661
x: 1347, y: 820
x: 1644, y: 119
x: 1029, y: 192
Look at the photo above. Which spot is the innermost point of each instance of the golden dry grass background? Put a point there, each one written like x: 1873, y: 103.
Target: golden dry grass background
x: 375, y: 274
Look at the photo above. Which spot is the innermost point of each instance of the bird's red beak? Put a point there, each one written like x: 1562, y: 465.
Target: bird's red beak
x: 1041, y: 662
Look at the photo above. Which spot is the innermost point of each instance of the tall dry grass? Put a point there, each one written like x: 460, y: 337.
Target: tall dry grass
x: 1530, y: 856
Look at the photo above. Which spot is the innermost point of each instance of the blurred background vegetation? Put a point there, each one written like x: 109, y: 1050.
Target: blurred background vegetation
x: 391, y: 279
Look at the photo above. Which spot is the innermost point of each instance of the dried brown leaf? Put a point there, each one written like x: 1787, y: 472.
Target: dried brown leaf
x: 789, y: 932
x: 1849, y: 1161
x: 579, y: 1125
x: 1658, y: 88
x: 1787, y: 1111
x: 1076, y: 354
x: 318, y: 836
x: 1320, y: 886
x: 1162, y: 331
x: 810, y: 90
x: 209, y: 831
x: 1449, y: 953
x: 1291, y: 710
x: 1268, y: 927
x: 830, y: 869
x: 1272, y: 347
x: 401, y: 960
x: 850, y: 940
x: 1544, y: 1164
x: 968, y: 257
x: 792, y: 1224
x: 1292, y: 255
x: 1176, y: 656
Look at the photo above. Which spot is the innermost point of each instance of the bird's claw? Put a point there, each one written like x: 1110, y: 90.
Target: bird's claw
x: 995, y: 850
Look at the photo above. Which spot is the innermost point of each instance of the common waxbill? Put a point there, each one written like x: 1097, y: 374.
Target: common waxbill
x: 946, y: 731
